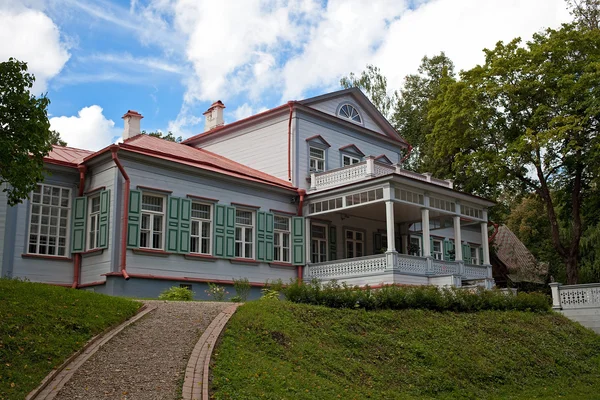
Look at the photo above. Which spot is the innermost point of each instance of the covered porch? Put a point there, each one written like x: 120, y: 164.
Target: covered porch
x: 394, y: 229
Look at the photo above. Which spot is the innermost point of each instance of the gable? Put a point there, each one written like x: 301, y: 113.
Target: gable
x: 336, y: 103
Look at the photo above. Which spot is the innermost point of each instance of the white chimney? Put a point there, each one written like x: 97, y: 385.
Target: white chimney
x: 214, y: 116
x: 132, y: 124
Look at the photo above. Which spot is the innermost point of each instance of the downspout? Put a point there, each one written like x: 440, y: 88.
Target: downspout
x: 407, y: 154
x: 491, y: 238
x: 77, y: 257
x: 125, y: 218
x: 301, y: 194
x: 291, y: 105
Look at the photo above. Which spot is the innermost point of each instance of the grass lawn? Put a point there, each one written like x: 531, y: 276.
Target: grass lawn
x: 42, y: 325
x: 283, y: 350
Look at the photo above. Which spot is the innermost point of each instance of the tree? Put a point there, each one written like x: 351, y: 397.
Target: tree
x: 586, y: 12
x: 526, y: 122
x: 56, y: 139
x: 374, y: 85
x: 169, y: 136
x: 25, y: 136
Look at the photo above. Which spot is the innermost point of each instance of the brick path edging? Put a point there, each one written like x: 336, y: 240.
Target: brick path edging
x: 56, y: 379
x: 195, y: 385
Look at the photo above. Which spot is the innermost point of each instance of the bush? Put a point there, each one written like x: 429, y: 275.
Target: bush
x: 335, y: 295
x: 176, y: 293
x: 236, y: 299
x: 216, y: 292
x: 269, y: 294
x: 242, y: 288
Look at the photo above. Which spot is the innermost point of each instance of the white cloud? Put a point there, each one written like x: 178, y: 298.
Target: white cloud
x: 31, y: 36
x: 246, y: 110
x: 88, y: 130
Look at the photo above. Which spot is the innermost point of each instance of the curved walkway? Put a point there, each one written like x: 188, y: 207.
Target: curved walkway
x: 148, y: 359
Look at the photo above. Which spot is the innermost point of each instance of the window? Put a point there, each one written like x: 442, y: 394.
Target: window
x: 94, y: 223
x: 281, y: 239
x: 437, y: 250
x: 474, y: 253
x: 153, y: 216
x: 348, y: 111
x: 414, y: 248
x: 318, y: 243
x: 244, y: 234
x: 317, y: 159
x: 49, y: 218
x: 349, y: 160
x: 355, y: 245
x: 201, y: 228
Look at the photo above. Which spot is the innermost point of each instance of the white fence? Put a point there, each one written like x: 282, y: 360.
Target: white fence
x: 580, y: 303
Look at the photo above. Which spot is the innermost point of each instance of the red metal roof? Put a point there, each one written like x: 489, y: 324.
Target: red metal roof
x: 67, y: 155
x: 200, y: 158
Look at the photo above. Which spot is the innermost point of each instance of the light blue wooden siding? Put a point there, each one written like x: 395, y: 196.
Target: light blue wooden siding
x: 95, y: 264
x: 38, y: 269
x: 264, y: 146
x: 331, y: 107
x: 337, y: 136
x: 198, y: 184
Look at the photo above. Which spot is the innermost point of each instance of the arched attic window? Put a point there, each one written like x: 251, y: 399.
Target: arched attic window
x: 350, y: 112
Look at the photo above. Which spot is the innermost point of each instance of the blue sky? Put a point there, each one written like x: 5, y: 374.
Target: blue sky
x: 170, y: 59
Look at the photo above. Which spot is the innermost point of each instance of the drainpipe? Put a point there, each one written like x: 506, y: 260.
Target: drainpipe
x: 301, y: 194
x: 114, y: 150
x: 407, y: 154
x: 491, y: 238
x: 77, y: 257
x: 291, y: 105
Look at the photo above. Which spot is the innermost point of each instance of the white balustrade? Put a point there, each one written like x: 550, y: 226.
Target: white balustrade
x: 445, y: 267
x: 579, y: 296
x: 348, y: 267
x: 412, y: 264
x: 476, y: 271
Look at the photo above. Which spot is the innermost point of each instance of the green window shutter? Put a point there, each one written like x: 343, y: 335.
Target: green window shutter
x: 481, y: 255
x: 261, y: 248
x: 230, y: 232
x: 298, y: 240
x: 185, y: 225
x: 173, y: 224
x: 333, y: 243
x: 466, y: 253
x: 269, y: 237
x: 133, y: 222
x: 78, y: 225
x: 104, y: 218
x: 431, y: 246
x: 220, y: 220
x: 447, y: 250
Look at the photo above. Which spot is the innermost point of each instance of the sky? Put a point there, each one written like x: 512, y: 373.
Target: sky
x: 170, y: 59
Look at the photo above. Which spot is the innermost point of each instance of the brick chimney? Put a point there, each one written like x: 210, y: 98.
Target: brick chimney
x: 214, y: 116
x: 132, y: 124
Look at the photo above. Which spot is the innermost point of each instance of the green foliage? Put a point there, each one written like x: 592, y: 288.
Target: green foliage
x: 42, y: 325
x: 176, y: 293
x: 270, y: 294
x: 242, y: 288
x: 284, y: 350
x: 168, y: 137
x: 375, y: 87
x: 216, y: 292
x: 586, y: 13
x: 338, y: 295
x: 236, y: 299
x: 25, y: 136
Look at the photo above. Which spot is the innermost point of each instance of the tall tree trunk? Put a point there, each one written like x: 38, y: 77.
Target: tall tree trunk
x: 572, y: 270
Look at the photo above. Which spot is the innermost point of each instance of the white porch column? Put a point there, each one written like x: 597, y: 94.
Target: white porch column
x: 555, y: 288
x: 485, y: 244
x: 370, y: 166
x: 389, y: 219
x: 426, y: 237
x: 458, y: 255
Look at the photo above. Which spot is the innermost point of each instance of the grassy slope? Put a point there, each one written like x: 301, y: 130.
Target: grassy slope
x: 42, y: 325
x: 282, y: 350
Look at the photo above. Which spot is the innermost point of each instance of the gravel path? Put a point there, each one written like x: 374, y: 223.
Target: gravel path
x: 147, y: 360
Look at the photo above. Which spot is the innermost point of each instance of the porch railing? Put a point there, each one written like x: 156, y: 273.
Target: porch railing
x: 445, y: 267
x: 365, y: 170
x: 576, y: 296
x: 476, y: 271
x: 348, y: 267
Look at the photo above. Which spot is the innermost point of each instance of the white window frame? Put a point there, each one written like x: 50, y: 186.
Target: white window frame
x: 200, y: 222
x: 244, y: 239
x: 93, y: 216
x: 474, y: 260
x: 351, y: 160
x: 151, y: 229
x: 279, y: 242
x: 321, y: 257
x: 353, y: 241
x: 57, y: 236
x: 420, y: 242
x: 351, y: 116
x: 312, y: 158
x: 437, y: 255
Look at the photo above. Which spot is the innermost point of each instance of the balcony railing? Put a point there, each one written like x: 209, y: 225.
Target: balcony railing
x: 365, y: 170
x: 577, y: 296
x: 361, y: 266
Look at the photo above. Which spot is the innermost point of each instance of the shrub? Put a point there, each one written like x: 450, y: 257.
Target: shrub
x: 236, y: 299
x: 335, y: 295
x: 215, y: 291
x: 269, y: 294
x: 176, y: 293
x: 242, y: 288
